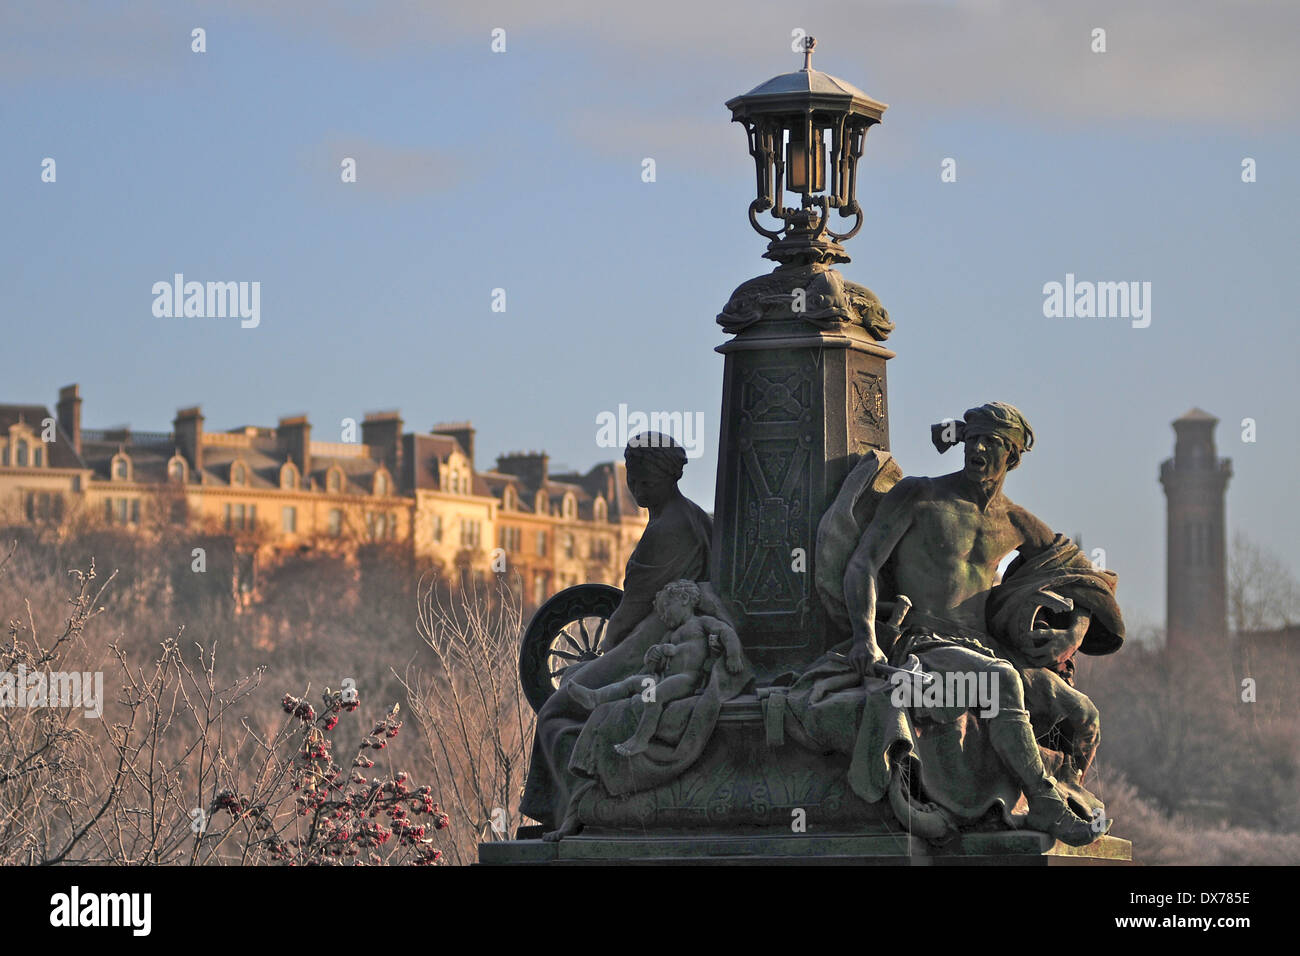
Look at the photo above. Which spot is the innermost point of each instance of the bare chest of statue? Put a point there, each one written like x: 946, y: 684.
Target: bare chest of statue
x: 947, y: 559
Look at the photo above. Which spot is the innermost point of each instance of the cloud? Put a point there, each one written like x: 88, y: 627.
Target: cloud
x: 1187, y: 61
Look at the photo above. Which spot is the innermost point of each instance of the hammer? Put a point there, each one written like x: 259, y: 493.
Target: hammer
x: 893, y: 628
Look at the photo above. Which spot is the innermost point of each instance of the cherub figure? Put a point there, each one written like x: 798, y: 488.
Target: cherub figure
x: 675, y: 669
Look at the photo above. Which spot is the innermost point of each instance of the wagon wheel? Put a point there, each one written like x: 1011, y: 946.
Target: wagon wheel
x: 565, y: 631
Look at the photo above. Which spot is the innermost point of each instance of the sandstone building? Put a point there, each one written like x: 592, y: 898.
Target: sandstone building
x: 278, y: 489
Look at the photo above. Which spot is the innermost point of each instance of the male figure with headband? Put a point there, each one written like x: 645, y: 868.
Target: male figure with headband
x: 944, y: 539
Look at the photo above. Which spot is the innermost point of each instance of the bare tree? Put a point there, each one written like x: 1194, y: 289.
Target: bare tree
x: 1262, y: 591
x: 477, y: 723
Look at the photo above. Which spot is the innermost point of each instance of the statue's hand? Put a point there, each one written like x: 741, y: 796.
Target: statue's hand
x: 734, y: 664
x: 1047, y: 648
x: 864, y: 656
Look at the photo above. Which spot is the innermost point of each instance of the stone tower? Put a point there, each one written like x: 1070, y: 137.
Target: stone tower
x: 1195, y: 480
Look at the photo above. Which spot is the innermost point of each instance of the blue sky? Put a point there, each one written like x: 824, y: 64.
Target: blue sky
x: 522, y: 170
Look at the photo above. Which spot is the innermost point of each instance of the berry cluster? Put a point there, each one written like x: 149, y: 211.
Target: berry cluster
x: 340, y: 812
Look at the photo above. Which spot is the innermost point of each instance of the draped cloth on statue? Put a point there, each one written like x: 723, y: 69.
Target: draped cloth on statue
x: 684, y: 729
x: 674, y: 546
x: 1060, y: 570
x: 957, y: 767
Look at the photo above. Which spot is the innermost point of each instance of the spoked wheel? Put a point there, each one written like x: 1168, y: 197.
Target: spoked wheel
x: 565, y: 631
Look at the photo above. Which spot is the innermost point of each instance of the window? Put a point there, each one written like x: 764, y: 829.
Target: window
x: 20, y: 453
x: 470, y: 533
x: 289, y: 477
x: 437, y: 527
x: 568, y: 545
x: 44, y: 506
x: 336, y: 522
x: 570, y: 507
x: 37, y: 456
x: 122, y: 510
x: 240, y: 517
x: 289, y: 519
x: 334, y: 481
x: 381, y: 484
x: 238, y: 474
x: 510, y: 539
x: 539, y: 587
x: 600, y: 549
x: 121, y: 468
x: 176, y: 469
x: 179, y: 511
x: 541, y: 544
x: 381, y: 525
x: 601, y: 510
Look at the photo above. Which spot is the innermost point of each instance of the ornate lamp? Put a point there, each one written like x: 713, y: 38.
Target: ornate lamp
x: 804, y: 393
x: 790, y: 120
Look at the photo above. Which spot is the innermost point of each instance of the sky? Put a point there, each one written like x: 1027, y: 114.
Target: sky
x: 521, y: 169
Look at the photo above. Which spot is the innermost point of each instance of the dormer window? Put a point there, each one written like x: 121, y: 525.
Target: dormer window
x: 176, y: 469
x: 121, y: 468
x: 21, y: 451
x: 601, y: 510
x: 570, y: 507
x: 539, y: 504
x: 381, y: 484
x: 239, y: 474
x: 508, y: 499
x: 334, y: 481
x: 289, y: 476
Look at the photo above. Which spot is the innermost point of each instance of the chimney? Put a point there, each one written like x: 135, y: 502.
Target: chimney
x: 187, y: 430
x: 69, y: 412
x: 463, y: 432
x: 529, y: 466
x: 382, y: 431
x: 293, y: 438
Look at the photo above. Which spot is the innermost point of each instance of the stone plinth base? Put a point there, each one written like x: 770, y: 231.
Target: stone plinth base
x: 743, y: 781
x: 765, y: 848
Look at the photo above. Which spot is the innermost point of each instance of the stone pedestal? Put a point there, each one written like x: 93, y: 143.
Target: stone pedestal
x: 804, y: 395
x: 769, y: 848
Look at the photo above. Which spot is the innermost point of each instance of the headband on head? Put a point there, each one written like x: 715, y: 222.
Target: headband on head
x: 993, y: 418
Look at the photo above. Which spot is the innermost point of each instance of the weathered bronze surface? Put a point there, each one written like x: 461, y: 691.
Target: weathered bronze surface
x: 831, y: 668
